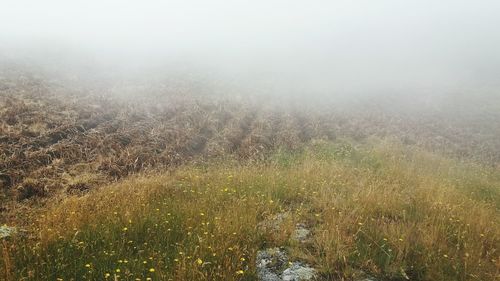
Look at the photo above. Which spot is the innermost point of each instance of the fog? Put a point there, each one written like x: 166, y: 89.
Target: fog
x: 334, y: 48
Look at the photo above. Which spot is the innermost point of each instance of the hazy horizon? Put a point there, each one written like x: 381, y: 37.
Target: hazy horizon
x: 332, y: 48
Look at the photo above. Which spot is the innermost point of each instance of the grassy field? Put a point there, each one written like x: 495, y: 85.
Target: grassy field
x: 390, y: 210
x: 180, y: 185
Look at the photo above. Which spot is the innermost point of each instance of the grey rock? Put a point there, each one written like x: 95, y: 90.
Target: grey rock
x: 298, y: 272
x: 268, y: 276
x: 301, y: 233
x: 272, y: 265
x: 271, y: 258
x: 7, y: 231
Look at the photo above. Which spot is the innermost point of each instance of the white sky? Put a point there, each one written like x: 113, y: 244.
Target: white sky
x: 372, y: 42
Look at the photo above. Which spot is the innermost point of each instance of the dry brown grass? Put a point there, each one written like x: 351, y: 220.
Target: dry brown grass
x: 422, y: 204
x: 49, y: 130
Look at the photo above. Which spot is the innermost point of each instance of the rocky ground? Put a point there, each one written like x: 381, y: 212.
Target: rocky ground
x: 275, y: 263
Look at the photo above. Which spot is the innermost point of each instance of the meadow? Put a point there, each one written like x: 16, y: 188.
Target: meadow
x: 385, y: 209
x: 187, y: 187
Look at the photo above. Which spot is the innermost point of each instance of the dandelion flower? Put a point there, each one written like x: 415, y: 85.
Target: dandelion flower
x: 87, y: 265
x: 239, y: 272
x: 118, y: 270
x: 199, y: 261
x: 151, y: 270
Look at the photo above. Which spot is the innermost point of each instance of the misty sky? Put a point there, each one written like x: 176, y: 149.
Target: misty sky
x: 342, y: 45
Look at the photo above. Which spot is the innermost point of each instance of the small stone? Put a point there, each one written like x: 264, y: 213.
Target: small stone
x: 7, y: 231
x: 298, y: 272
x: 269, y: 276
x: 301, y: 233
x: 272, y: 257
x: 270, y: 263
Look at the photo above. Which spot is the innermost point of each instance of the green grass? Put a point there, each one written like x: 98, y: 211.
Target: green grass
x: 389, y: 210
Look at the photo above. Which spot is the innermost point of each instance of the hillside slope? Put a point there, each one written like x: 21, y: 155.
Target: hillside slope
x: 385, y: 210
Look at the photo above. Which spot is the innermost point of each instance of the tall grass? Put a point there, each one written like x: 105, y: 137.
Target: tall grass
x: 392, y: 211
